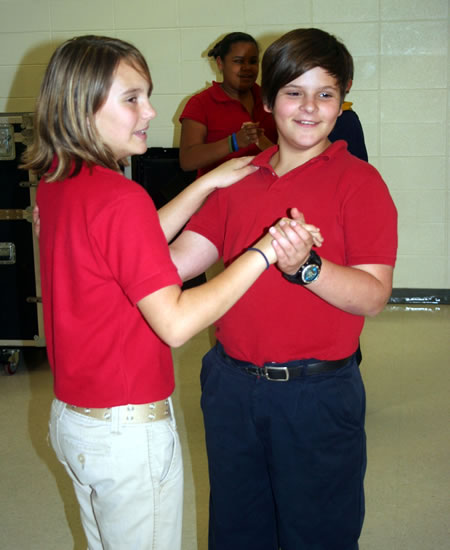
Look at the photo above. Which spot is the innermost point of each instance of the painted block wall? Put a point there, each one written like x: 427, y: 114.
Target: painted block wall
x: 400, y: 90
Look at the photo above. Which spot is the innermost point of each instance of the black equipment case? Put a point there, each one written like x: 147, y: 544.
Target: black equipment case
x: 159, y: 172
x: 21, y: 319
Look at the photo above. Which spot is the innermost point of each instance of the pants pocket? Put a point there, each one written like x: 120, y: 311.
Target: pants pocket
x: 165, y: 451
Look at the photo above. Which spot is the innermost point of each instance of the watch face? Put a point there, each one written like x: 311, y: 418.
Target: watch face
x: 310, y: 273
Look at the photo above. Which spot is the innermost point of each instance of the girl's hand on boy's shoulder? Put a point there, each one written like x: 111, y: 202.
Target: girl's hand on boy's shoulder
x: 230, y: 172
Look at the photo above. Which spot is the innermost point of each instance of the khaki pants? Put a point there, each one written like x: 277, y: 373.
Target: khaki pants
x: 128, y: 478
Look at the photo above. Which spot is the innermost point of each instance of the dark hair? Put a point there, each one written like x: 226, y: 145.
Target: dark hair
x: 223, y: 47
x: 299, y: 51
x: 75, y: 85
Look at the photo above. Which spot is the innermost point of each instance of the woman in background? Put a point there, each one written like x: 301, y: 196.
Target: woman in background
x: 228, y: 118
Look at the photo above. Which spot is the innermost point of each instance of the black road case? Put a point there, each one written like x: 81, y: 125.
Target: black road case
x: 21, y: 319
x: 159, y: 172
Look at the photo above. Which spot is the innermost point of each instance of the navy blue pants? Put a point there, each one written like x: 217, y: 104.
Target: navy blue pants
x: 286, y: 459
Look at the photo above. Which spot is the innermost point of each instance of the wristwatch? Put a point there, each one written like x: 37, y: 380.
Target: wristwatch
x: 308, y: 272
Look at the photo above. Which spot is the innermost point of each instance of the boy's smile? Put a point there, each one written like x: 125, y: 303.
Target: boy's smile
x: 305, y: 112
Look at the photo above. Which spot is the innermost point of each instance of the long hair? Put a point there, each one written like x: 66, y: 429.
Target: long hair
x: 75, y: 85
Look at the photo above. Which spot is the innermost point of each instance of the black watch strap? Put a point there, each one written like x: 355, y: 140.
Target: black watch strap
x: 308, y: 272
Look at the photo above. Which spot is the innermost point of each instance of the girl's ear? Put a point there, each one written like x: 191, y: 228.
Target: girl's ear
x: 267, y: 108
x: 219, y: 63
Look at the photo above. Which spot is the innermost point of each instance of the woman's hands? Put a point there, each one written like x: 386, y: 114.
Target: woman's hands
x: 248, y: 134
x: 195, y: 153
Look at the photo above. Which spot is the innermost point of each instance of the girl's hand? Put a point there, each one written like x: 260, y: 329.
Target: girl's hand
x: 229, y: 172
x: 298, y: 216
x: 293, y: 241
x: 36, y: 221
x: 288, y: 243
x: 265, y: 243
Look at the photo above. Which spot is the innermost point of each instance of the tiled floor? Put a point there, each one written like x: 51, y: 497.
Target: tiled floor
x: 406, y: 368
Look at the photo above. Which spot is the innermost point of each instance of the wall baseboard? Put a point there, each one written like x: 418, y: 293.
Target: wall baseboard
x: 439, y: 296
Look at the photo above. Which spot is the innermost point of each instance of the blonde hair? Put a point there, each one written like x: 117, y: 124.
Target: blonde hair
x: 75, y: 85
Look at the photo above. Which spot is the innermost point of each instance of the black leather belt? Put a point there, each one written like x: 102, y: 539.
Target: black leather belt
x: 282, y: 372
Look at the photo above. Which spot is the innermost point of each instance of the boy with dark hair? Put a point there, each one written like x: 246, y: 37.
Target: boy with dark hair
x: 282, y: 395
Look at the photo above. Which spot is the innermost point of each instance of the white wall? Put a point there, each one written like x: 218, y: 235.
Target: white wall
x: 400, y: 91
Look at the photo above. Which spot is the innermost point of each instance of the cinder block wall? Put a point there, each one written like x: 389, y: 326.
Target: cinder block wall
x: 400, y: 91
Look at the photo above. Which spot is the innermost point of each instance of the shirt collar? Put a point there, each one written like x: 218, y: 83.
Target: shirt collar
x: 263, y: 159
x: 220, y: 96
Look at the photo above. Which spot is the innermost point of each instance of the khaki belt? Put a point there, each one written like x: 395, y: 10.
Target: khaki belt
x: 129, y: 414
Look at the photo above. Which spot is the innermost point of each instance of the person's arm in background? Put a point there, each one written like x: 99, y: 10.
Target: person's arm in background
x: 355, y: 136
x: 195, y: 153
x: 348, y: 127
x: 262, y: 141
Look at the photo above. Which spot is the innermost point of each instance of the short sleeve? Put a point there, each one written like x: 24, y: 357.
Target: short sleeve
x: 209, y: 221
x: 194, y: 110
x: 132, y: 243
x: 370, y: 222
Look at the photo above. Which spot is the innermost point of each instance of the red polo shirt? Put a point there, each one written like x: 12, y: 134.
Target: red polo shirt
x: 102, y: 250
x: 223, y: 115
x: 342, y: 195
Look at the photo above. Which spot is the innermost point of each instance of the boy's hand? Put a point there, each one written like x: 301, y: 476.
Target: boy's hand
x: 298, y: 216
x: 265, y: 243
x: 293, y: 240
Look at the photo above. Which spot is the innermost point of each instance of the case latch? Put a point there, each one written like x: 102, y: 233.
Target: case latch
x: 7, y: 253
x: 7, y: 145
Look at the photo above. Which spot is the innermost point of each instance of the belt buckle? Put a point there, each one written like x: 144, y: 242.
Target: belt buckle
x: 267, y: 375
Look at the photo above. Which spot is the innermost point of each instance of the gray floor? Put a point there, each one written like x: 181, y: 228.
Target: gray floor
x: 406, y: 370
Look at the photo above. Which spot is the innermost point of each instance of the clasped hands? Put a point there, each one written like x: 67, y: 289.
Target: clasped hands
x: 249, y: 133
x: 288, y: 243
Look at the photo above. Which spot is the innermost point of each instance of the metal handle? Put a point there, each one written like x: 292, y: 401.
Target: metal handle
x: 17, y: 214
x: 34, y: 300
